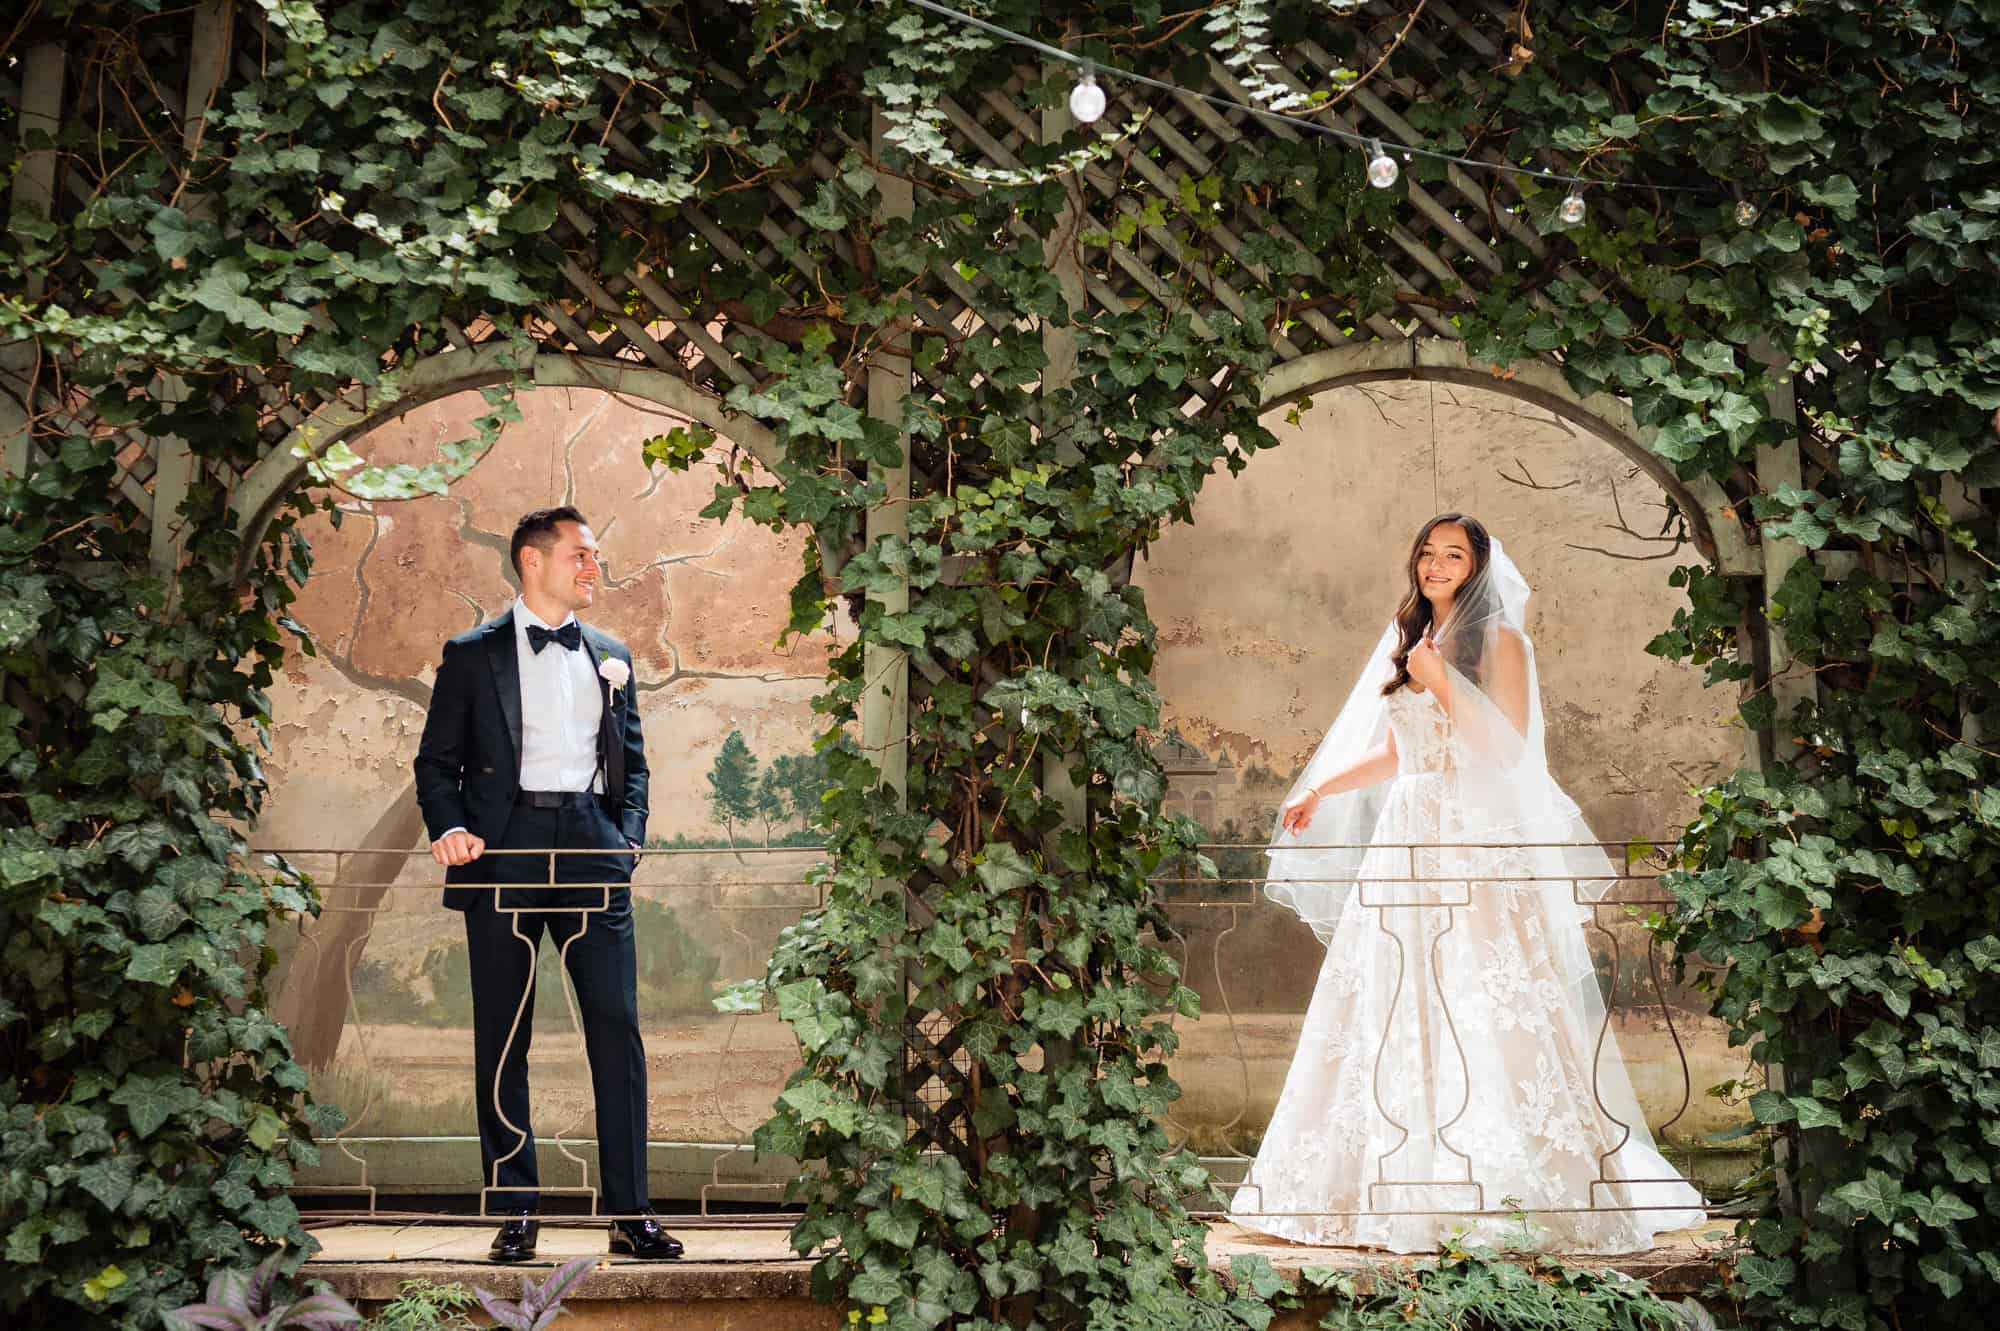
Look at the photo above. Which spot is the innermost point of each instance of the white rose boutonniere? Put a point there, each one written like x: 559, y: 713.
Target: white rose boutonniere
x: 615, y: 672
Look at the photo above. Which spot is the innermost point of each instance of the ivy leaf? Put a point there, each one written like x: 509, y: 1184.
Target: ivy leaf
x: 1735, y: 413
x: 109, y: 1180
x: 1836, y: 193
x: 1772, y: 1107
x: 1938, y: 1209
x: 895, y: 1227
x: 24, y: 603
x: 265, y: 1128
x: 1712, y: 356
x: 151, y: 1101
x: 98, y: 1288
x: 138, y: 843
x: 1785, y: 120
x: 1072, y: 1253
x: 818, y: 1102
x: 1002, y: 869
x: 24, y: 862
x: 1875, y: 1193
x: 155, y: 963
x: 223, y: 289
x: 535, y: 213
x: 1940, y: 1269
x: 1256, y: 1273
x: 926, y: 1187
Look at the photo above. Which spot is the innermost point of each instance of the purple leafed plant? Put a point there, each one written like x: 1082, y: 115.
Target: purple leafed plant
x: 540, y: 1304
x: 251, y: 1301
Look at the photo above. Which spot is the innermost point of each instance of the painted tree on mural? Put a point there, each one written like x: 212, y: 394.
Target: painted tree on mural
x: 995, y: 355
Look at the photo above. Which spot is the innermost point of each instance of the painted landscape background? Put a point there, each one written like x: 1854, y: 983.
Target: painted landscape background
x: 1267, y: 606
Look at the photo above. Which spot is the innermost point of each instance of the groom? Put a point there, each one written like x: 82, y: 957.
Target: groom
x: 532, y: 743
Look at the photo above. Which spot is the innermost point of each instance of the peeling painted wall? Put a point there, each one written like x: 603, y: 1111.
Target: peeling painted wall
x: 700, y: 605
x: 1267, y: 605
x: 1270, y: 602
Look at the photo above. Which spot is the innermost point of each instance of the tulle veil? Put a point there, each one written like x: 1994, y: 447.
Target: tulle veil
x: 1508, y: 798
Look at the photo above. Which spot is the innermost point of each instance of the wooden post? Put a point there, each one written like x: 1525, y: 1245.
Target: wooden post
x: 885, y: 700
x: 173, y: 461
x: 885, y: 705
x: 1961, y: 505
x: 32, y: 199
x: 1778, y: 464
x: 1059, y: 345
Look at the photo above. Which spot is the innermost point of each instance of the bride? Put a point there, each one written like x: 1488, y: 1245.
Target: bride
x: 1456, y: 1079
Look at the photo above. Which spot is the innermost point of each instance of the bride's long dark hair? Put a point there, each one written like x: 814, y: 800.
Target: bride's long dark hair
x: 1413, y: 616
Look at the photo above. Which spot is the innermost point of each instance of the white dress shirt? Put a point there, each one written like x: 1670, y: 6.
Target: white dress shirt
x: 561, y: 707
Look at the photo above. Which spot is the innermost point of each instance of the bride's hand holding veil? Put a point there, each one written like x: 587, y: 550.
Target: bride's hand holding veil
x: 1478, y: 667
x: 1428, y: 670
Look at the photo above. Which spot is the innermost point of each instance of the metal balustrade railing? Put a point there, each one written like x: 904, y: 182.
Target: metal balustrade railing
x: 1669, y: 1022
x: 381, y: 1015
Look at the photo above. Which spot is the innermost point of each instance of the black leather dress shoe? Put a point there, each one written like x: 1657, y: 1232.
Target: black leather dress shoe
x: 516, y: 1240
x: 644, y: 1239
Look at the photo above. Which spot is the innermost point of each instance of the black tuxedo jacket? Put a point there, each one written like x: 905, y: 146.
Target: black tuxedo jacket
x: 469, y: 762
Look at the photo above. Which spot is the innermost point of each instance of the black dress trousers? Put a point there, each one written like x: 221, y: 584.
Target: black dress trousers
x: 590, y: 924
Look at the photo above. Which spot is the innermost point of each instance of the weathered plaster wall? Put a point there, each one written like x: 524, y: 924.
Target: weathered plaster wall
x: 1267, y: 606
x: 700, y: 605
x: 1270, y: 602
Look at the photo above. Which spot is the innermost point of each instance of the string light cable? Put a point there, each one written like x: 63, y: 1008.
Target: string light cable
x: 1087, y: 102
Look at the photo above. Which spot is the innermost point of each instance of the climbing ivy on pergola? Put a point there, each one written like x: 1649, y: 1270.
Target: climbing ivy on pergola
x: 986, y: 356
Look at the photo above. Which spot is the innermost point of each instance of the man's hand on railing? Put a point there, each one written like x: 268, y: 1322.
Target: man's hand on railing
x: 457, y: 846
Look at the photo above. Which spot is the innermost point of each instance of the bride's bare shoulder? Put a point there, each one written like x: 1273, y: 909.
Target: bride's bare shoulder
x: 1511, y: 644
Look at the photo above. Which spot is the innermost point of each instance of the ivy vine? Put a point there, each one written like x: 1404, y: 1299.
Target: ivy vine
x: 373, y: 184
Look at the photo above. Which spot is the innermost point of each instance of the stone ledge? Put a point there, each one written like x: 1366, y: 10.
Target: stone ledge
x: 738, y: 1264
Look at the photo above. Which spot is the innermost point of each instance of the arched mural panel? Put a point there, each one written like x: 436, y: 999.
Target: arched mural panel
x: 376, y: 992
x: 1269, y: 602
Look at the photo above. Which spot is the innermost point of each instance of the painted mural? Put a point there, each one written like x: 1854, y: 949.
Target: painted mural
x: 1267, y: 605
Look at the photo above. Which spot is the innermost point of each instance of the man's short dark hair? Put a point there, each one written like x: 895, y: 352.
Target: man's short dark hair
x: 539, y: 530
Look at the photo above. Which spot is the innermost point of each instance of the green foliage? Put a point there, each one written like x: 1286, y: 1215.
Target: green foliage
x: 426, y: 1305
x: 1462, y: 1289
x: 150, y: 1109
x: 392, y: 177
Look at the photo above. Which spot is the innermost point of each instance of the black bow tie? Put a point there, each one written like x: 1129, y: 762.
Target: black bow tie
x: 569, y: 637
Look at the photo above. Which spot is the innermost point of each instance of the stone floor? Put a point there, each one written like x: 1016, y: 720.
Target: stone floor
x: 752, y: 1264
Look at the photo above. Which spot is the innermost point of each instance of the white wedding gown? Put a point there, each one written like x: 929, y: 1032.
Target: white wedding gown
x: 1446, y: 1063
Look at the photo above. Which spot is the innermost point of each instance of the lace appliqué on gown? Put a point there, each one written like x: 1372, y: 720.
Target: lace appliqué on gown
x: 1445, y: 1064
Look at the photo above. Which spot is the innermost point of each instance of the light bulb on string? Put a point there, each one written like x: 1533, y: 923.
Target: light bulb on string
x: 1746, y: 213
x: 1571, y: 209
x: 1086, y: 99
x: 1382, y: 168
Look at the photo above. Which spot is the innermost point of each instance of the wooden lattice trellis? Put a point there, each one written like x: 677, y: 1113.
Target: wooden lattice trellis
x: 656, y: 313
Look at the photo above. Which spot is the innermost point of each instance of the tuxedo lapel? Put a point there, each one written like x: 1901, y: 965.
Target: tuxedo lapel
x: 504, y: 656
x: 610, y: 751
